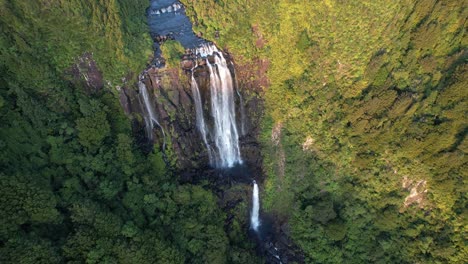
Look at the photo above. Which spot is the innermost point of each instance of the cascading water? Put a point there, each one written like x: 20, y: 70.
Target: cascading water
x: 199, y: 115
x: 214, y: 104
x: 223, y: 132
x: 150, y: 116
x: 254, y: 217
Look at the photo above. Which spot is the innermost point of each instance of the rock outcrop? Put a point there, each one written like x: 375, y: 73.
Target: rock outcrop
x: 86, y: 74
x: 175, y: 110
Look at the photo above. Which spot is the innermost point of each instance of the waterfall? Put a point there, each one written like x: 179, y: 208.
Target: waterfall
x: 149, y: 116
x: 223, y: 131
x: 254, y: 218
x: 199, y: 116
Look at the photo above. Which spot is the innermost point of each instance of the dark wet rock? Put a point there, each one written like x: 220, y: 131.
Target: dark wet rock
x: 201, y: 62
x: 274, y: 244
x: 185, y: 98
x: 187, y: 64
x: 285, y: 229
x: 125, y: 101
x: 211, y: 59
x: 163, y: 38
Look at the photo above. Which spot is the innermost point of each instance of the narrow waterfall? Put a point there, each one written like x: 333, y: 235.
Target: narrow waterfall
x: 150, y: 116
x: 223, y: 131
x: 199, y: 116
x: 254, y: 218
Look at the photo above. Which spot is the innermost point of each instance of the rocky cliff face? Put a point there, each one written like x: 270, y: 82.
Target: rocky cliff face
x: 174, y: 106
x: 175, y: 109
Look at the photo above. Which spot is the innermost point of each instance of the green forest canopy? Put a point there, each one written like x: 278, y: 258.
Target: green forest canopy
x: 366, y: 105
x: 74, y: 186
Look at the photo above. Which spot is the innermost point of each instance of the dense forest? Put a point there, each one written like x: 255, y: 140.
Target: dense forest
x: 363, y: 133
x: 74, y: 187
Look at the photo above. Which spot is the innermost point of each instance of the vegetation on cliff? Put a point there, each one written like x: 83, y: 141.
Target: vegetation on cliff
x: 74, y: 187
x: 364, y: 133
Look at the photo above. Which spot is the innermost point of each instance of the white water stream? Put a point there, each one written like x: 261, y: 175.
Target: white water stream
x: 150, y: 116
x: 223, y: 131
x: 199, y: 116
x: 254, y: 216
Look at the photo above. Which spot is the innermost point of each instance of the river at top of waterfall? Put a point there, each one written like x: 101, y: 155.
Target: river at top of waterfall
x: 168, y: 18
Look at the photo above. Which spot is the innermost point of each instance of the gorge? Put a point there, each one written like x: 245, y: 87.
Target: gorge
x: 240, y: 131
x: 218, y: 109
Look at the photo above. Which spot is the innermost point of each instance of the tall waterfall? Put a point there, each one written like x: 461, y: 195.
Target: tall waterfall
x: 223, y: 131
x: 254, y: 218
x: 149, y: 116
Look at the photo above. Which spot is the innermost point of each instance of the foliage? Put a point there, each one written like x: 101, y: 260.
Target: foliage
x: 366, y: 105
x: 74, y: 185
x: 56, y: 32
x: 368, y: 96
x: 172, y: 51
